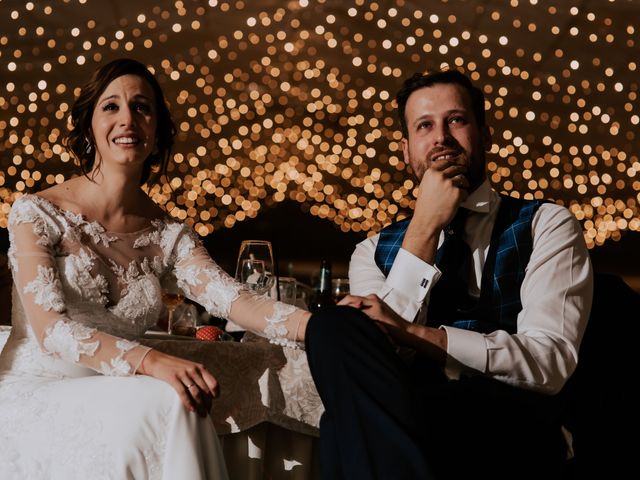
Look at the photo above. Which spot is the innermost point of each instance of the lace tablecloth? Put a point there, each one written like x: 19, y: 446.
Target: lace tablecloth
x: 259, y: 382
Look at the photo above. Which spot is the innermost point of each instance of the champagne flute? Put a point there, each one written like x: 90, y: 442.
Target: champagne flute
x: 171, y: 297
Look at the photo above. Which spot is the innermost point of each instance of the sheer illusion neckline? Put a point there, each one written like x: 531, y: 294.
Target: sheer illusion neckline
x: 80, y: 216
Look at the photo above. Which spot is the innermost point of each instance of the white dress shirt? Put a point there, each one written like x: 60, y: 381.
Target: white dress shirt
x: 556, y: 297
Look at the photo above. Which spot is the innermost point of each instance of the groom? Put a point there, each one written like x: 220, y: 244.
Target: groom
x: 464, y: 321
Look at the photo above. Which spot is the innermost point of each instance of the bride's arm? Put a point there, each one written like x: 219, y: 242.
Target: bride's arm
x: 203, y: 281
x: 35, y: 274
x: 37, y: 281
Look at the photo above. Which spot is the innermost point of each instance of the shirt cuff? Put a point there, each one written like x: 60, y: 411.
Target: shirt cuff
x: 408, y: 283
x: 466, y: 350
x: 412, y: 275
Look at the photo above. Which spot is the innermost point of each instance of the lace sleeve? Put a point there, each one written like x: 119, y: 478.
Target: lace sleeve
x: 35, y: 274
x: 203, y: 281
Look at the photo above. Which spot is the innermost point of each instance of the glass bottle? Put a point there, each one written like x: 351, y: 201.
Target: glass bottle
x: 323, y: 296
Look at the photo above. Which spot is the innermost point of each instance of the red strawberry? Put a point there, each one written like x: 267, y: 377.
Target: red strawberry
x: 209, y: 332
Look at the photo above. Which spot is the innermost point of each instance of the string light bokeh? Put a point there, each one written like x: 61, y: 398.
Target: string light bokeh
x: 279, y: 100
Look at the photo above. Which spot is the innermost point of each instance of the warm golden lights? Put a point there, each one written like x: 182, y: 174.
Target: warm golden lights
x: 294, y: 100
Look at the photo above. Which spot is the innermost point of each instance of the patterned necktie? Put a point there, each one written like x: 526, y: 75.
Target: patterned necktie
x: 450, y: 296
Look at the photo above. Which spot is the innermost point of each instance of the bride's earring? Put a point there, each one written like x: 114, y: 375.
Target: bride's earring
x: 89, y: 147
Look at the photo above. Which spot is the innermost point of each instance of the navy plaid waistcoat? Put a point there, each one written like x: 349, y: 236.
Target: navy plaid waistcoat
x: 504, y: 269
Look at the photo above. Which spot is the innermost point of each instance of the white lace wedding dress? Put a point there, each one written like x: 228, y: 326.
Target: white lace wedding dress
x: 71, y: 404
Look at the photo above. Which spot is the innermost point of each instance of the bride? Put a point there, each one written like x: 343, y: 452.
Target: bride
x: 79, y: 397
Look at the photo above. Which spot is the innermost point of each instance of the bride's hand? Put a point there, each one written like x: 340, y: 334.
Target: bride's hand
x: 195, y: 386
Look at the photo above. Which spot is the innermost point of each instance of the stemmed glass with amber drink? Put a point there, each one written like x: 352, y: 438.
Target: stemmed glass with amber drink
x: 172, y: 296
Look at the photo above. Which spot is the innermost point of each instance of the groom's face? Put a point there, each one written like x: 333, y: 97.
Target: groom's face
x: 441, y: 126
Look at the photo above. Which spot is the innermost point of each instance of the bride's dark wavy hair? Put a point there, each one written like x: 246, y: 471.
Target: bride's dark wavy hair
x: 80, y: 141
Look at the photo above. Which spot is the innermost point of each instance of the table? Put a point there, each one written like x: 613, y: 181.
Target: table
x: 268, y: 412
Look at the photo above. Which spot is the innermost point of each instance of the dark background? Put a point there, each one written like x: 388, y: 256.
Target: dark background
x: 300, y: 241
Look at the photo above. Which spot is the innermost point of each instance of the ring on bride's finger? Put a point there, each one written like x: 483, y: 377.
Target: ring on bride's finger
x: 189, y: 386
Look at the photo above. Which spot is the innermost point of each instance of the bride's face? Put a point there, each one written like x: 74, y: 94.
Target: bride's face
x: 124, y: 122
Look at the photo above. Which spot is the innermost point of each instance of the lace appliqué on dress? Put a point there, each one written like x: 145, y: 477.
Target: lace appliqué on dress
x: 301, y: 397
x: 220, y: 290
x: 78, y: 271
x: 153, y: 237
x: 47, y: 290
x: 118, y: 366
x: 275, y: 329
x: 23, y: 211
x: 78, y: 224
x: 218, y: 294
x: 185, y: 245
x: 164, y: 235
x: 65, y: 339
x: 139, y: 297
x: 73, y: 224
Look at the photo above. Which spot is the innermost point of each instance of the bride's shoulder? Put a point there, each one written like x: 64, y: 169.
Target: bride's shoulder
x: 49, y: 203
x: 34, y: 209
x: 61, y: 196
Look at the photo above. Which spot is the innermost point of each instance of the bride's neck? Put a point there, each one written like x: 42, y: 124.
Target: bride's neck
x: 111, y: 193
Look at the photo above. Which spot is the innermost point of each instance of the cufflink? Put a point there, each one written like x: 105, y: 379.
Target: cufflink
x: 424, y: 282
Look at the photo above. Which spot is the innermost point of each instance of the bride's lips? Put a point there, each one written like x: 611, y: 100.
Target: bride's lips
x: 126, y: 140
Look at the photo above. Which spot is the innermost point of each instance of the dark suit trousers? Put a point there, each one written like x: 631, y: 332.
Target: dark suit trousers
x: 386, y: 418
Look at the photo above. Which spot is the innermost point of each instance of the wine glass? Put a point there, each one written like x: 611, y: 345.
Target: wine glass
x: 247, y: 271
x: 172, y: 296
x: 254, y: 251
x: 339, y: 288
x: 288, y: 290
